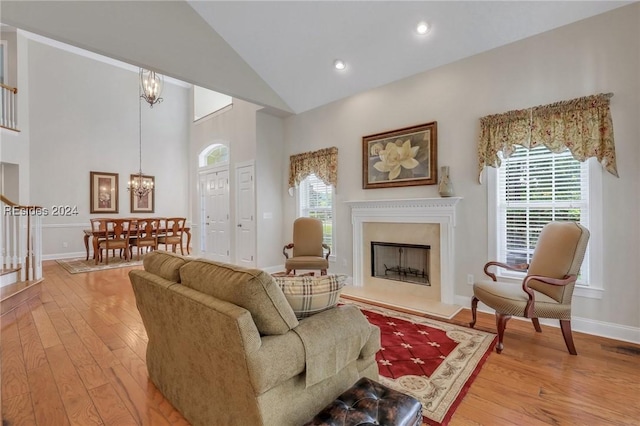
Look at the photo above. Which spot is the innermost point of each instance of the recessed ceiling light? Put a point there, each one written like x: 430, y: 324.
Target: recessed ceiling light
x: 339, y: 64
x: 422, y: 28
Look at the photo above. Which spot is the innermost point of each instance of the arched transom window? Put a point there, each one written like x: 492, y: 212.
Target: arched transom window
x: 214, y: 155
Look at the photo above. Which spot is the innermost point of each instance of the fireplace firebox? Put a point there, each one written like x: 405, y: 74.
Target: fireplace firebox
x: 400, y: 262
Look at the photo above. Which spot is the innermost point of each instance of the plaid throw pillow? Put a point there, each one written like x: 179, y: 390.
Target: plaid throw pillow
x: 310, y: 295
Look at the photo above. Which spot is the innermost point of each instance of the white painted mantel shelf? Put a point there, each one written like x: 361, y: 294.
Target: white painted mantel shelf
x: 440, y: 211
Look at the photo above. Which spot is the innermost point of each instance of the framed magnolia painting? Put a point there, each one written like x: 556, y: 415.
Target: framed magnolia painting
x: 403, y: 157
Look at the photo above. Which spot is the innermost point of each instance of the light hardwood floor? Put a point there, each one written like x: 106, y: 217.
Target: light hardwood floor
x: 77, y: 356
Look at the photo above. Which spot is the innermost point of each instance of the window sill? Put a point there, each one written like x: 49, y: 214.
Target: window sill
x: 588, y: 292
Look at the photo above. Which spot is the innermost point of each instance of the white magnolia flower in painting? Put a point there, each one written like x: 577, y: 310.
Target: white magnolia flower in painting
x: 393, y: 157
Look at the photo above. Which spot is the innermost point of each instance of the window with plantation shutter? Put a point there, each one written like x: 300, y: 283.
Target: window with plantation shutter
x: 316, y: 199
x: 536, y: 186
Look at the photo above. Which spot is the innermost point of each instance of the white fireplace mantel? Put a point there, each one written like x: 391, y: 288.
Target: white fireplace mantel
x: 440, y: 211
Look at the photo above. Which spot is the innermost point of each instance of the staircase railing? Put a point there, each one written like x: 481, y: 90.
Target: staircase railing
x: 8, y: 107
x: 21, y: 239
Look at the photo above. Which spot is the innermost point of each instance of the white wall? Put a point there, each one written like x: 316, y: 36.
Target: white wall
x: 271, y: 168
x: 84, y: 117
x: 600, y: 54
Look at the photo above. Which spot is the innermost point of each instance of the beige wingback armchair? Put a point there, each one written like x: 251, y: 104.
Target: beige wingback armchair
x: 307, y: 246
x: 546, y: 290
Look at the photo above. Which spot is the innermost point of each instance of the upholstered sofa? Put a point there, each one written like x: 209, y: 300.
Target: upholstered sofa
x: 225, y: 347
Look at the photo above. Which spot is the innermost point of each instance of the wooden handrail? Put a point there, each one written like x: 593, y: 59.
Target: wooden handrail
x: 6, y: 200
x: 9, y: 88
x: 16, y: 205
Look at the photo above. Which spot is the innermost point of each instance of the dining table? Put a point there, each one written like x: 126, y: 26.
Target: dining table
x: 95, y: 235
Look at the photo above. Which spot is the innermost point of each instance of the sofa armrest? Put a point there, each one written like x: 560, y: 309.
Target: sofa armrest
x: 278, y: 359
x: 343, y: 332
x: 334, y: 338
x: 372, y: 346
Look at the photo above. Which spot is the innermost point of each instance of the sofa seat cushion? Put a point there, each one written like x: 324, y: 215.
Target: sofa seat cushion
x: 251, y: 289
x: 309, y: 295
x: 164, y: 264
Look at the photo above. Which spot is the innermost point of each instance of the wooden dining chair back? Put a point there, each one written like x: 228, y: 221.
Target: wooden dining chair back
x: 171, y: 233
x: 145, y: 235
x: 99, y: 231
x: 118, y: 234
x: 98, y: 225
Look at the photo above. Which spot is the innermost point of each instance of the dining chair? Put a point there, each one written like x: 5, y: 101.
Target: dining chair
x: 118, y: 233
x: 171, y: 233
x: 99, y: 232
x: 145, y: 235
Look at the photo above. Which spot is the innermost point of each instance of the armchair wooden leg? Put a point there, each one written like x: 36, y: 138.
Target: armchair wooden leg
x: 536, y: 324
x: 565, y: 325
x: 474, y: 308
x: 501, y: 323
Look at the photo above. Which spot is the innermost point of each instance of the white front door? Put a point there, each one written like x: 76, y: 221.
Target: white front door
x: 245, y: 216
x: 216, y: 225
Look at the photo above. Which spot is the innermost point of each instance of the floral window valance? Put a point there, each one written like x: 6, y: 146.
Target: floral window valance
x: 582, y: 125
x: 322, y: 163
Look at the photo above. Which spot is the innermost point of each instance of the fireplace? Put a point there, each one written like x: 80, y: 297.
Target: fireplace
x: 422, y: 221
x: 400, y: 262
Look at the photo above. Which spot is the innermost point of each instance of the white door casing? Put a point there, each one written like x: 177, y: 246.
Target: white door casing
x: 245, y: 215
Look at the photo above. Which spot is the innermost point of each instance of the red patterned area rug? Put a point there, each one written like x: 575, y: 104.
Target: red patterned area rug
x: 433, y: 361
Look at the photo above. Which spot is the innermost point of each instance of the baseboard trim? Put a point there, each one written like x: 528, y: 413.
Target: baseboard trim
x: 56, y: 256
x: 610, y: 330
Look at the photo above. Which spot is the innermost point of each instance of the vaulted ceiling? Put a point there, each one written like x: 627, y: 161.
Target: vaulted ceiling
x: 281, y: 54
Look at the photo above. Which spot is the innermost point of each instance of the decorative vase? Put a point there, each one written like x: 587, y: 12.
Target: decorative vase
x: 445, y: 187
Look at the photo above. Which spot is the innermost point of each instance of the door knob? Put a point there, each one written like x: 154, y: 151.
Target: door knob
x: 239, y: 225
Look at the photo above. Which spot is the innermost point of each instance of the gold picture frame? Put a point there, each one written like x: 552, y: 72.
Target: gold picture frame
x: 403, y: 157
x: 103, y: 192
x: 144, y: 204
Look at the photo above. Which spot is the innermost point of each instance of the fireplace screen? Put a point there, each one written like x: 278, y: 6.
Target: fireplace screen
x: 400, y: 262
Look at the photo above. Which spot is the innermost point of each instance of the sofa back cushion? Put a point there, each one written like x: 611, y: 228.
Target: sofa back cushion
x: 251, y: 289
x: 164, y: 264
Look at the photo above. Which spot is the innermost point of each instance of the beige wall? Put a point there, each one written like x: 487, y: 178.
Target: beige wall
x: 600, y: 54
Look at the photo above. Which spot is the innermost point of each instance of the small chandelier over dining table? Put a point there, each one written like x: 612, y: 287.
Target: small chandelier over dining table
x: 150, y: 89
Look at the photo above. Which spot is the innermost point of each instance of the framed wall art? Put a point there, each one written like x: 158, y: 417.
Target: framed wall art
x: 103, y: 192
x: 403, y: 157
x: 146, y: 203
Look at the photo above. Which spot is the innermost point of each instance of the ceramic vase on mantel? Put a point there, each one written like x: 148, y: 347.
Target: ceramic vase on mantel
x: 445, y: 187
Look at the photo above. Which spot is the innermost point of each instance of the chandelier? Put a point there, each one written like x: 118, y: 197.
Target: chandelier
x: 138, y: 185
x: 150, y: 86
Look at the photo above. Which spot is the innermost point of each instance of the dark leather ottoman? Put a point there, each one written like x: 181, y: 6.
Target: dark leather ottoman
x: 370, y: 403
